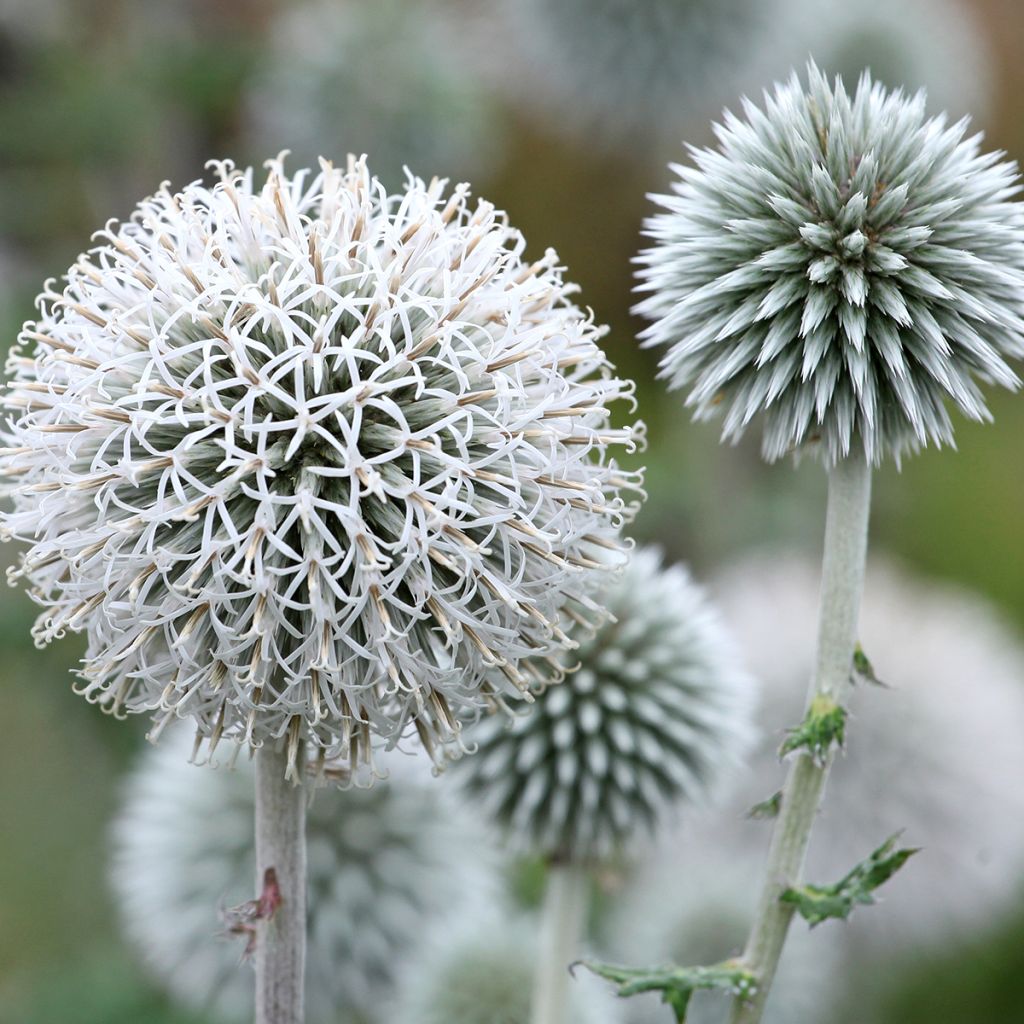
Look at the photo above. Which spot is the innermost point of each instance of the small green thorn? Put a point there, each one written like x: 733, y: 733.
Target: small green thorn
x: 823, y: 727
x: 817, y: 903
x: 863, y: 670
x: 767, y: 808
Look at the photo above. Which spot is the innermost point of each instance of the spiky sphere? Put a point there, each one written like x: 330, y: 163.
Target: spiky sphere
x: 930, y: 753
x: 841, y: 268
x: 657, y: 712
x: 376, y: 78
x: 913, y: 44
x: 618, y: 68
x: 379, y: 864
x: 310, y: 459
x: 480, y: 971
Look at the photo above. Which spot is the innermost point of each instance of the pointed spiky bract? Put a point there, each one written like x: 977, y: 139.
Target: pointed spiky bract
x: 657, y: 713
x: 379, y: 866
x: 841, y: 268
x: 309, y: 459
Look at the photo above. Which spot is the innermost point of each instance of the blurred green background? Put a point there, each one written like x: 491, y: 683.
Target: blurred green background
x: 101, y: 100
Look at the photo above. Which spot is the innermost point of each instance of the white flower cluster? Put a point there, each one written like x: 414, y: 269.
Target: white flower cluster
x: 841, y: 268
x: 309, y: 459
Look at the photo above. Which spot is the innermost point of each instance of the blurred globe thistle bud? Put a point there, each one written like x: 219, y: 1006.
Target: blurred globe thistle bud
x: 481, y: 972
x: 377, y: 78
x: 614, y: 70
x: 657, y: 712
x: 929, y: 753
x: 379, y: 869
x: 840, y: 268
x: 930, y: 44
x: 310, y: 460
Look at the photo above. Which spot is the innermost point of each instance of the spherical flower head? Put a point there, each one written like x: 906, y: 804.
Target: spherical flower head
x: 841, y: 268
x: 373, y: 77
x: 379, y: 865
x: 656, y: 714
x: 313, y: 460
x: 480, y: 971
x: 928, y: 754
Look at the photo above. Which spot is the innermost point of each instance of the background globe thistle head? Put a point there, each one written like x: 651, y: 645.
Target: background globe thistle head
x: 657, y: 712
x: 914, y: 44
x: 377, y: 78
x: 480, y: 971
x: 313, y: 460
x: 617, y: 70
x: 931, y: 754
x: 379, y: 863
x: 841, y: 267
x: 687, y: 904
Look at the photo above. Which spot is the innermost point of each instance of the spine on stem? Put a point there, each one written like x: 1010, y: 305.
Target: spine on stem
x: 846, y: 528
x: 281, y: 885
x: 565, y: 906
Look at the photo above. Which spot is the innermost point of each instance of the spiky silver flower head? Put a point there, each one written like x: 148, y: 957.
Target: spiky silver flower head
x: 657, y: 713
x: 310, y: 459
x: 841, y: 268
x: 619, y: 68
x: 932, y: 44
x: 375, y: 78
x: 379, y: 863
x: 689, y: 903
x: 930, y: 754
x: 480, y: 971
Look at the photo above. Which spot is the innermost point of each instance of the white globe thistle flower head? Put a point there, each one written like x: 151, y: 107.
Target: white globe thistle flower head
x: 307, y: 459
x: 931, y: 44
x: 480, y: 971
x: 619, y: 71
x: 373, y: 77
x: 929, y: 754
x: 657, y: 713
x: 379, y: 869
x: 840, y: 268
x: 691, y: 902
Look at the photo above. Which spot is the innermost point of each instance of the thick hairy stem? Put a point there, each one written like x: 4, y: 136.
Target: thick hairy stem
x: 846, y: 529
x: 565, y: 905
x: 281, y: 885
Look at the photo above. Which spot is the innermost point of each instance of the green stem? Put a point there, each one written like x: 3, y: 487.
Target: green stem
x: 280, y: 849
x: 842, y: 579
x: 565, y: 905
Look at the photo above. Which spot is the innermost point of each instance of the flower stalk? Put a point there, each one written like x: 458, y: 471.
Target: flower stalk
x: 281, y: 884
x: 565, y: 908
x: 846, y: 530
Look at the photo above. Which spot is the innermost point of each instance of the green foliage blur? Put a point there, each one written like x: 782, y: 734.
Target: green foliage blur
x: 101, y: 100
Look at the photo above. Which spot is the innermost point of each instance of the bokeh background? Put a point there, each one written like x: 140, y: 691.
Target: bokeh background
x: 563, y: 112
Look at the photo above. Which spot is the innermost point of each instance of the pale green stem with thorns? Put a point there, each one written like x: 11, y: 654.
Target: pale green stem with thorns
x: 842, y: 580
x: 280, y: 886
x: 565, y: 907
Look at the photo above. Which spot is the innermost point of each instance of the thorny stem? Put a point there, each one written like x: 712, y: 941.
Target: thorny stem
x: 565, y: 904
x: 281, y: 846
x: 842, y: 580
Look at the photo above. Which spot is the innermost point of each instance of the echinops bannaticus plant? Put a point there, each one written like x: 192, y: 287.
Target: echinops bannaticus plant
x: 840, y: 269
x: 656, y: 713
x: 379, y: 880
x: 312, y: 464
